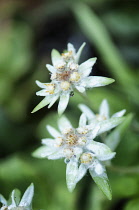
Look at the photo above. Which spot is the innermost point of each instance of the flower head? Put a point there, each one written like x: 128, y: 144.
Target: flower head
x: 16, y: 204
x: 66, y: 75
x: 77, y: 147
x: 103, y: 118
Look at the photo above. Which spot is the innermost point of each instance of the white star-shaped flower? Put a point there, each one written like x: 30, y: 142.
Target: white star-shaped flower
x: 67, y: 75
x: 16, y: 204
x: 77, y: 148
x: 69, y: 142
x: 103, y: 118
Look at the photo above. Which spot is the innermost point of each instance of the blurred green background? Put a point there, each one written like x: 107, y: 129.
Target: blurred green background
x: 29, y: 30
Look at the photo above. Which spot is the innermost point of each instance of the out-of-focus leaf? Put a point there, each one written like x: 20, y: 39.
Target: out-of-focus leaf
x: 96, y: 32
x: 15, y: 51
x: 8, y: 9
x: 128, y: 150
x: 123, y: 24
x: 14, y: 197
x: 132, y: 204
x: 114, y: 138
x: 123, y: 185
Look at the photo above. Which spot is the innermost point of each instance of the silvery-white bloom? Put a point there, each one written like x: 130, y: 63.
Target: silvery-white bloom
x: 16, y: 204
x: 69, y: 142
x: 67, y: 75
x: 78, y: 149
x: 103, y: 118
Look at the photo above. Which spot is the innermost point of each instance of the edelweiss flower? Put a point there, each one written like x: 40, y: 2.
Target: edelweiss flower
x: 16, y: 204
x: 78, y: 149
x: 103, y: 118
x: 68, y: 143
x: 67, y: 75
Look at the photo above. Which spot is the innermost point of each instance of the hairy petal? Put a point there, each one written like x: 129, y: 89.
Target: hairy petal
x: 27, y: 197
x: 53, y: 132
x: 63, y: 123
x: 101, y: 150
x: 64, y: 99
x: 86, y: 67
x: 78, y: 54
x: 43, y: 152
x: 82, y: 120
x: 119, y: 114
x: 71, y: 48
x: 107, y: 125
x: 71, y: 174
x: 43, y: 103
x: 56, y: 57
x: 104, y: 109
x: 96, y: 81
x: 80, y: 88
x: 87, y: 111
x: 102, y: 182
x: 81, y: 172
x: 51, y: 68
x: 54, y: 99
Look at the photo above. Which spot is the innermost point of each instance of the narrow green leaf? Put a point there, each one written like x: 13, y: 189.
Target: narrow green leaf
x: 16, y: 197
x: 64, y: 99
x: 103, y: 183
x: 96, y: 32
x: 132, y: 204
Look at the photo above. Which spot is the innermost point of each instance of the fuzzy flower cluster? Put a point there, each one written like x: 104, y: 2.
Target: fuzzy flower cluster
x: 102, y: 118
x: 15, y: 203
x: 66, y: 75
x: 79, y: 149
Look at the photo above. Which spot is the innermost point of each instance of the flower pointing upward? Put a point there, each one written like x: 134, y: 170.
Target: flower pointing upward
x: 66, y: 75
x: 15, y: 203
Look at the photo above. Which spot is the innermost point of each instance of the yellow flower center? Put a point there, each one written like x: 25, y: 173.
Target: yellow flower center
x: 73, y: 66
x: 60, y: 66
x: 75, y: 76
x: 71, y: 139
x: 67, y: 56
x: 82, y: 141
x: 82, y: 130
x: 100, y: 117
x: 86, y: 158
x: 50, y: 88
x: 68, y: 152
x: 65, y: 85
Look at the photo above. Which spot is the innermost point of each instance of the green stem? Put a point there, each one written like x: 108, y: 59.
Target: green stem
x: 125, y: 170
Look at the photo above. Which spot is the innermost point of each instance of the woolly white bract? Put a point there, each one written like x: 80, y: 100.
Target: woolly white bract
x: 103, y: 118
x: 67, y: 75
x: 16, y: 204
x: 79, y: 150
